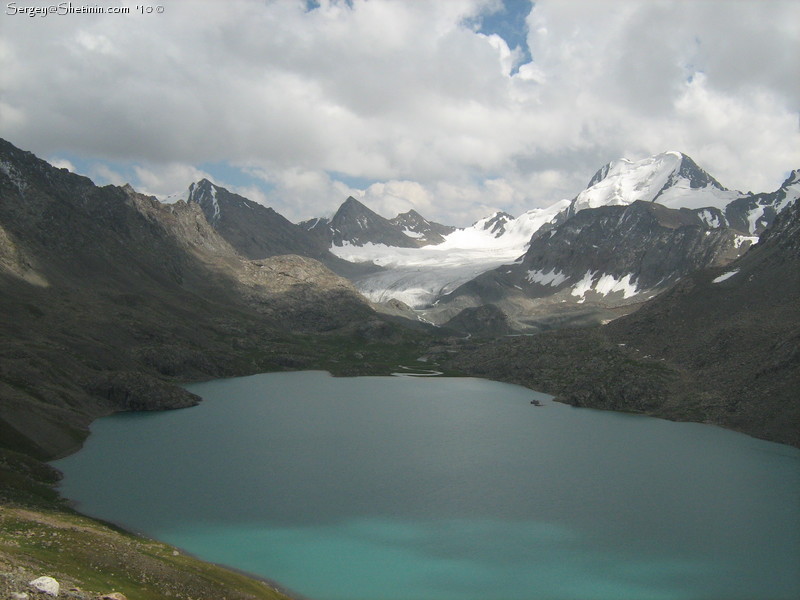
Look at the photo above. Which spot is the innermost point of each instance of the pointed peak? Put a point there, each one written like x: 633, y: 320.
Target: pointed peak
x: 410, y: 215
x: 793, y: 178
x: 697, y: 176
x: 352, y: 205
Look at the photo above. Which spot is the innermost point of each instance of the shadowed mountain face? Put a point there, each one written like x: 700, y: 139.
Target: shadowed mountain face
x: 256, y: 231
x: 754, y: 213
x: 600, y: 259
x: 419, y: 228
x: 721, y: 346
x: 106, y: 294
x: 737, y: 330
x: 355, y: 224
x: 647, y: 243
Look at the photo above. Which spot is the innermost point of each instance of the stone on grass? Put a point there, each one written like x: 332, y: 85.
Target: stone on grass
x: 46, y: 585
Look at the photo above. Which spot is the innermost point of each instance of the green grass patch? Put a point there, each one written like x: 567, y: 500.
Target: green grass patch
x: 86, y: 554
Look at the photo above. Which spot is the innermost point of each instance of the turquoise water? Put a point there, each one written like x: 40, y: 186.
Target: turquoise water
x: 382, y: 488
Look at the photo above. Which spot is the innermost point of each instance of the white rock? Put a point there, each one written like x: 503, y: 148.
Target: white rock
x: 46, y: 585
x: 19, y: 596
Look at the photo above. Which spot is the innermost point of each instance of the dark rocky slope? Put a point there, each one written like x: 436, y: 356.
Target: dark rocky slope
x: 755, y: 212
x: 724, y: 352
x: 738, y: 337
x: 356, y: 224
x: 107, y: 297
x: 257, y: 231
x: 597, y: 261
x: 482, y: 321
x: 424, y: 231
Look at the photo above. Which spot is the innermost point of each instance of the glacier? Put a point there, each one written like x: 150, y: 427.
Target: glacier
x: 419, y: 276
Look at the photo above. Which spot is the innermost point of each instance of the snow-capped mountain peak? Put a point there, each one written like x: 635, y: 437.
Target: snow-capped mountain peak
x: 415, y: 226
x: 204, y: 193
x: 355, y: 224
x: 754, y: 212
x: 670, y: 178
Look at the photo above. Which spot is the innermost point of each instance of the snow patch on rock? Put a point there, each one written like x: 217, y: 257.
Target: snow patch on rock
x: 604, y: 285
x: 725, y: 276
x: 553, y: 278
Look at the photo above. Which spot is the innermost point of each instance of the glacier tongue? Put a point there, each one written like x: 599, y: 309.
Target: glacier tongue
x: 419, y: 276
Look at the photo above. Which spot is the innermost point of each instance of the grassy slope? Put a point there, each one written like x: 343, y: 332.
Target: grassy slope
x: 97, y: 559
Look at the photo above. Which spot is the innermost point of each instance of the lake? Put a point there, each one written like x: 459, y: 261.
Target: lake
x: 384, y: 488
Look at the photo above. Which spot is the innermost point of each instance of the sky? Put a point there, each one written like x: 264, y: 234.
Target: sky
x: 455, y: 108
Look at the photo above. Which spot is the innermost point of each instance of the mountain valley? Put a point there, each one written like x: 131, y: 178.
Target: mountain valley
x: 655, y: 290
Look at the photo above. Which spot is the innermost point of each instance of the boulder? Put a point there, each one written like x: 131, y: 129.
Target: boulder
x: 46, y: 585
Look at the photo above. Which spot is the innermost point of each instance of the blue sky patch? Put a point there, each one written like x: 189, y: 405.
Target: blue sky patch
x: 509, y: 23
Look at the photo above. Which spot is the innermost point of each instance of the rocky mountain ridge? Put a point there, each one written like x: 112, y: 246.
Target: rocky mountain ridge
x: 106, y: 294
x: 109, y: 299
x: 604, y: 257
x: 418, y: 227
x: 721, y: 346
x: 256, y: 231
x: 355, y: 224
x: 694, y: 221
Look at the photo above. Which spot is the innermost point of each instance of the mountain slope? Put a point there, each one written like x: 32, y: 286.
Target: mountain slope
x: 671, y: 179
x: 414, y: 225
x: 605, y: 257
x: 721, y: 346
x: 754, y: 213
x: 355, y: 224
x: 737, y: 331
x: 256, y: 231
x: 105, y: 294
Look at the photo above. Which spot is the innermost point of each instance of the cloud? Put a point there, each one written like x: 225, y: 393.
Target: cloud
x: 165, y: 179
x: 408, y: 95
x: 689, y: 76
x: 62, y: 163
x: 300, y: 194
x: 102, y: 174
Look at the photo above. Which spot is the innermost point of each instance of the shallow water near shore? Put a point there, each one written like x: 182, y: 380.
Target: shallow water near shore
x: 386, y: 488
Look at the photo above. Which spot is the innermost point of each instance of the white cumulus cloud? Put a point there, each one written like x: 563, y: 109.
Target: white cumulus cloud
x: 407, y: 104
